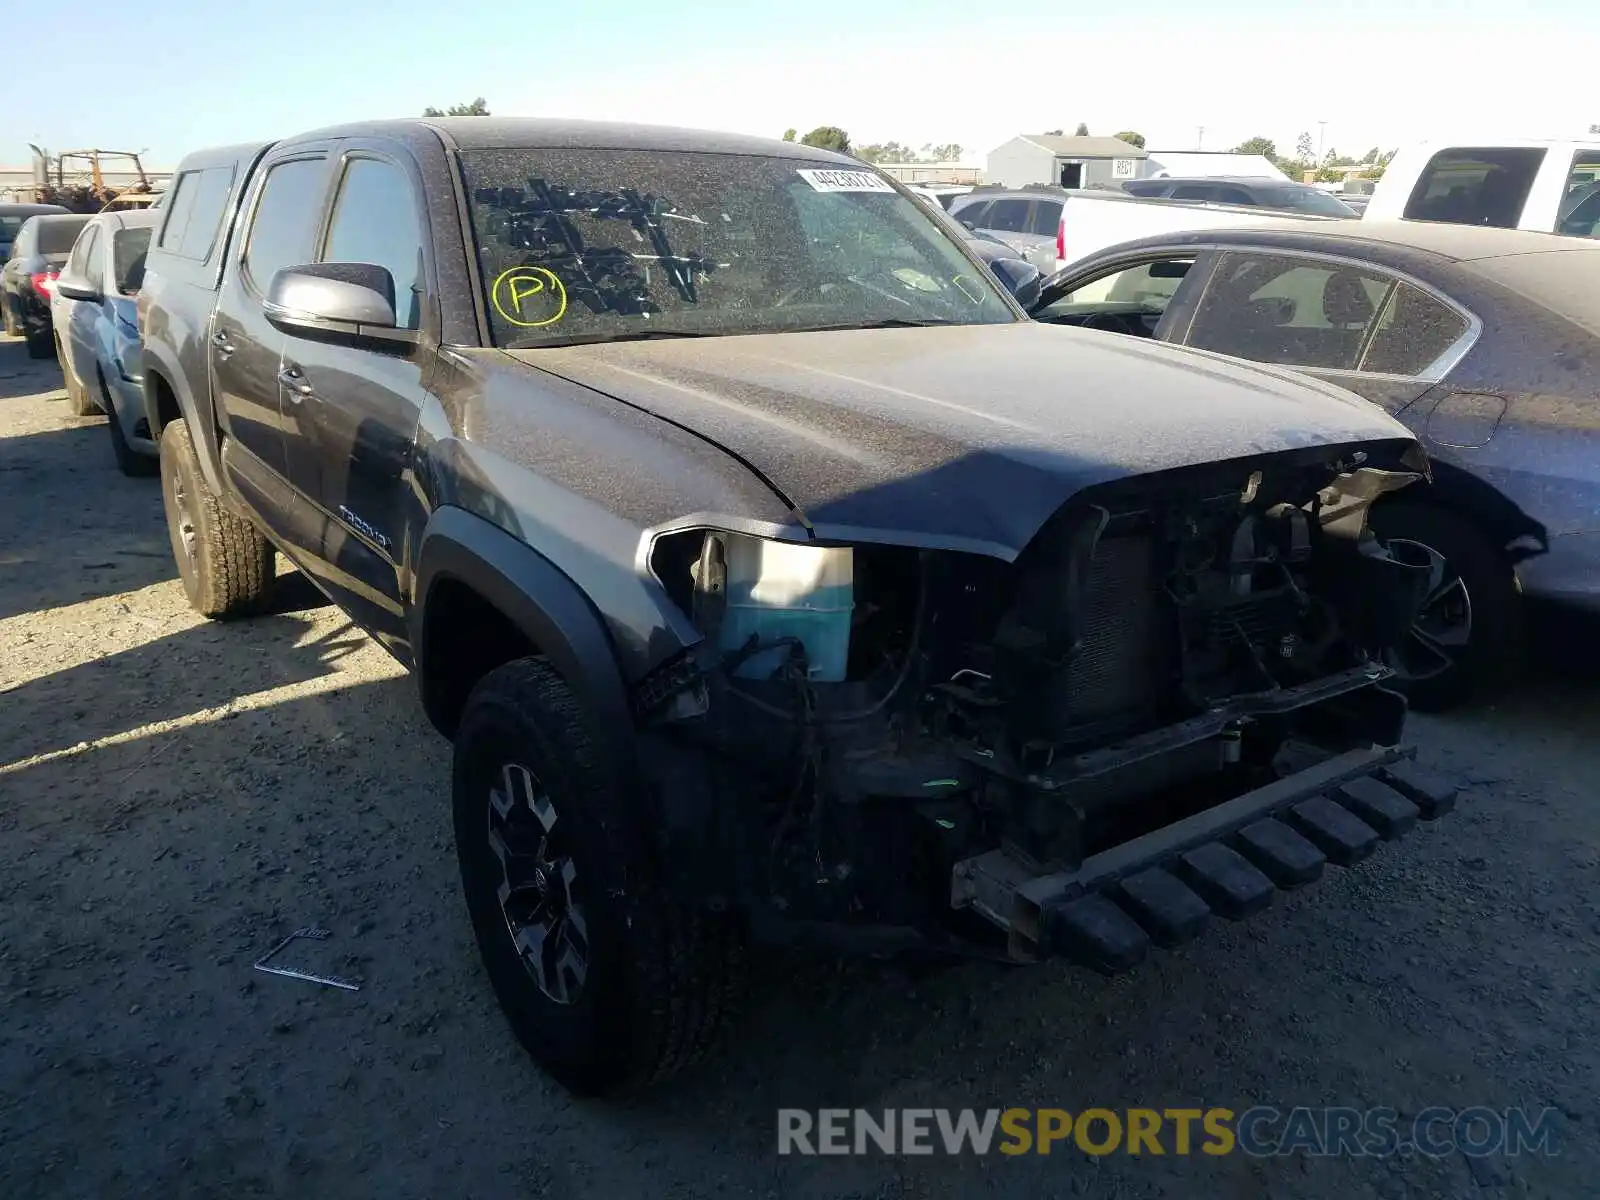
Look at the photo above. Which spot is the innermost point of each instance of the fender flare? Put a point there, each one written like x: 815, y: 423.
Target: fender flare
x: 536, y: 596
x: 202, y: 431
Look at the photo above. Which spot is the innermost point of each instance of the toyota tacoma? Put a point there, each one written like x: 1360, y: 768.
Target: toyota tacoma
x: 772, y: 574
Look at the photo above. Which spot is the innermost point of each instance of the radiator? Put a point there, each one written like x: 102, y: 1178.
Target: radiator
x: 1117, y: 670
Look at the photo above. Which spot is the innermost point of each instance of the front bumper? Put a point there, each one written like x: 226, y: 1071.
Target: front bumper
x: 1230, y: 860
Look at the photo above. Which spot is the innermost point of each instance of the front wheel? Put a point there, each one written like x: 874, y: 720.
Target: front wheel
x: 1469, y: 637
x: 41, y: 343
x: 225, y: 563
x: 607, y: 983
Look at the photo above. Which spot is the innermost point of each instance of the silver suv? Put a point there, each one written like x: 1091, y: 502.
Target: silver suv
x: 1026, y: 219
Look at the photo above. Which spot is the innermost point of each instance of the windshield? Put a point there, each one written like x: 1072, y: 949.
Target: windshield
x: 128, y: 247
x: 591, y: 245
x: 1303, y: 199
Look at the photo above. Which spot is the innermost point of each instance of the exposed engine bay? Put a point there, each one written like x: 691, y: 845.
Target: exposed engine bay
x: 1164, y: 645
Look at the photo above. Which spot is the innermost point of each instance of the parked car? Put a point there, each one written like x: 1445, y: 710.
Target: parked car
x: 773, y: 574
x: 1548, y: 185
x: 1485, y: 342
x: 1081, y: 222
x: 40, y: 247
x: 1280, y: 195
x: 97, y: 331
x: 11, y: 218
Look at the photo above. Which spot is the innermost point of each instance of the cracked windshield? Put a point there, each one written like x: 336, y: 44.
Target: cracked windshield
x: 599, y: 246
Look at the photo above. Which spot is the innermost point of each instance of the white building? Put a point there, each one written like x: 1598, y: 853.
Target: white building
x: 1075, y: 162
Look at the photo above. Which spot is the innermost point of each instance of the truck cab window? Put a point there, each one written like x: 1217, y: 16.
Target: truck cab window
x: 1465, y: 186
x: 1579, y: 211
x: 375, y: 221
x: 285, y: 221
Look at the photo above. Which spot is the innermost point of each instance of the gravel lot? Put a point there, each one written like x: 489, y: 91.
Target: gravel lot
x: 176, y: 795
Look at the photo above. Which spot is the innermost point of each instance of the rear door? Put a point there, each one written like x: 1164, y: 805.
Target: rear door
x: 1352, y: 323
x: 283, y: 215
x: 353, y: 409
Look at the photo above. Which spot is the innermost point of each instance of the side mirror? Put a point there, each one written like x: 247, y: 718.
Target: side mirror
x: 348, y: 302
x: 74, y: 287
x: 1021, y: 279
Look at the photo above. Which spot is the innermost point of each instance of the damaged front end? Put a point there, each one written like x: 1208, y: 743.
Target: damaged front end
x: 1080, y: 752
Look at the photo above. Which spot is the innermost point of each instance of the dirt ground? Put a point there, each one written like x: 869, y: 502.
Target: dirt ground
x: 177, y: 795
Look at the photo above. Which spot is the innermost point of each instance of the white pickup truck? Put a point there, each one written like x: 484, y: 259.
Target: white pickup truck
x: 1056, y: 227
x: 1547, y: 185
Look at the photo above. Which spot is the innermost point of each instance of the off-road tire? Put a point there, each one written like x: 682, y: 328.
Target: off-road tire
x: 79, y: 401
x: 1496, y: 647
x: 662, y: 977
x: 129, y: 461
x: 225, y: 564
x: 8, y: 319
x: 41, y: 343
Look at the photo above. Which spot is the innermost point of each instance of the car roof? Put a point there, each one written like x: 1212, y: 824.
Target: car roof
x: 1453, y: 243
x: 62, y: 218
x: 1246, y: 180
x: 514, y: 133
x: 33, y: 210
x: 133, y: 218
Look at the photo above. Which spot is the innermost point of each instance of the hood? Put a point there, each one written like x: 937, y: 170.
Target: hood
x: 964, y: 436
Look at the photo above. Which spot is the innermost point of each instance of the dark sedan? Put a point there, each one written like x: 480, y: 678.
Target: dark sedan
x: 1486, y: 342
x: 28, y: 279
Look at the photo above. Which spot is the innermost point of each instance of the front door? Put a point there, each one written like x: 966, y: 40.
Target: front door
x: 354, y: 409
x: 247, y: 351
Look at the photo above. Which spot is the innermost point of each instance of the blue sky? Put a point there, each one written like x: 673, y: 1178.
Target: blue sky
x: 172, y: 75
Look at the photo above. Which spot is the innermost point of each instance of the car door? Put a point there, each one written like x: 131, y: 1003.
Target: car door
x: 1353, y: 323
x: 285, y: 212
x: 355, y: 406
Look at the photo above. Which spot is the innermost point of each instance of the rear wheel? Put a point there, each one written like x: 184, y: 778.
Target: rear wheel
x: 79, y: 402
x: 41, y: 343
x: 1469, y: 638
x: 607, y: 983
x: 10, y: 319
x: 225, y: 563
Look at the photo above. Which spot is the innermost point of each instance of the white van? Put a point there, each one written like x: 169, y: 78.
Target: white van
x: 1547, y: 185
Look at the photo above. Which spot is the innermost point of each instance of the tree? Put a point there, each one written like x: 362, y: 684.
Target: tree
x: 478, y: 108
x: 788, y: 135
x: 828, y: 137
x: 1052, y: 133
x: 1132, y: 138
x: 1265, y: 147
x: 1305, y: 150
x: 1081, y: 131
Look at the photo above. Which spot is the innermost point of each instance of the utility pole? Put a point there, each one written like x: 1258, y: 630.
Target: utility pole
x: 1322, y: 135
x: 1200, y: 138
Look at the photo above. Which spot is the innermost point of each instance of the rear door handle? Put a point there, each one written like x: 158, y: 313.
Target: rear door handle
x: 219, y: 339
x: 295, y: 381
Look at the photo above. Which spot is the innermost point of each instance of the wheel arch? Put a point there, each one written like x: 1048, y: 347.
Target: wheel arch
x: 167, y: 399
x: 1503, y: 523
x: 483, y: 598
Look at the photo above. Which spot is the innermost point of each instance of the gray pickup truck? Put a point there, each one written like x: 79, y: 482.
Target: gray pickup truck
x: 773, y: 575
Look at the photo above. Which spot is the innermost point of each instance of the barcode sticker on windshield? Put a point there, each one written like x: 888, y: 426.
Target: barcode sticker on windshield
x: 845, y: 181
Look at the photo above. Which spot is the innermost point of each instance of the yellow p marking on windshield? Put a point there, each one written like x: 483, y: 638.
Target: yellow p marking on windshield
x: 520, y: 284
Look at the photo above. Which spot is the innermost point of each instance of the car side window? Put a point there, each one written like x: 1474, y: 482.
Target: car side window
x: 971, y: 214
x: 283, y: 230
x: 1465, y: 186
x: 1046, y: 218
x: 1233, y: 195
x: 1149, y: 284
x: 1412, y: 334
x: 1009, y: 216
x: 1289, y: 310
x: 81, y: 261
x: 1192, y: 191
x: 180, y: 203
x: 375, y: 221
x: 1579, y: 211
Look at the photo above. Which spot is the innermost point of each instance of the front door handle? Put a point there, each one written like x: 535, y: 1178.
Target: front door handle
x: 219, y: 339
x: 294, y: 380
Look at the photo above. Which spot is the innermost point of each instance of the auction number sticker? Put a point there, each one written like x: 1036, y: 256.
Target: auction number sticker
x: 845, y: 181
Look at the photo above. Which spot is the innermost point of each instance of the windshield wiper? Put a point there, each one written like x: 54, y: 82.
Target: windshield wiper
x: 884, y: 323
x: 632, y: 335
